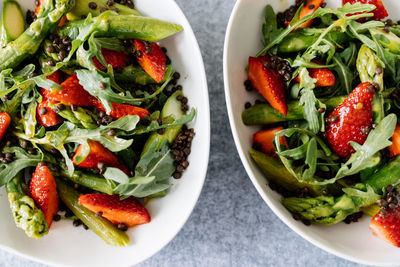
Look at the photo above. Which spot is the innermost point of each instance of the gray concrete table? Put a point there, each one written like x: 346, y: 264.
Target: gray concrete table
x: 231, y: 225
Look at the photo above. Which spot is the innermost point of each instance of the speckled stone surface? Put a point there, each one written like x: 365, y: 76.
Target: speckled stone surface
x: 231, y: 225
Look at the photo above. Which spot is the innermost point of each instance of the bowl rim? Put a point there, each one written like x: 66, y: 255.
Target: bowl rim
x: 265, y: 196
x: 206, y: 152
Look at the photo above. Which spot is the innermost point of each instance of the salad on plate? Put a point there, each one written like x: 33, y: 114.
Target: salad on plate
x: 93, y: 122
x: 330, y: 137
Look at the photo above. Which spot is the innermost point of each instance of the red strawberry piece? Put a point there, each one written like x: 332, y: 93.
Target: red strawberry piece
x: 72, y: 94
x: 122, y: 110
x: 324, y: 77
x: 268, y: 83
x: 98, y: 158
x: 308, y: 9
x: 351, y: 120
x: 45, y: 115
x: 43, y: 190
x: 5, y: 121
x: 265, y: 139
x: 379, y: 13
x: 387, y: 226
x: 117, y: 59
x: 151, y: 58
x: 128, y: 211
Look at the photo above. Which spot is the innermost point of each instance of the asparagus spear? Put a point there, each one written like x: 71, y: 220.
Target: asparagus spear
x: 26, y: 215
x: 29, y: 42
x: 102, y: 227
x: 121, y: 26
x: 368, y: 65
x: 330, y: 210
x: 387, y: 39
x: 82, y: 9
x: 265, y: 114
x: 91, y: 181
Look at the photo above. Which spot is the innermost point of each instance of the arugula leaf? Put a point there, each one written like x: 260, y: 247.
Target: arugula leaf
x: 341, y: 12
x: 366, y: 154
x: 152, y: 172
x: 270, y: 27
x: 346, y: 76
x: 167, y: 123
x: 311, y: 104
x: 21, y: 161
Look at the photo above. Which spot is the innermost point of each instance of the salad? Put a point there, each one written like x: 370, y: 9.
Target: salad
x: 93, y: 122
x: 330, y: 137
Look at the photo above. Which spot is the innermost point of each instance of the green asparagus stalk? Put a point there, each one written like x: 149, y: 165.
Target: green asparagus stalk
x: 370, y: 68
x: 87, y: 180
x: 265, y: 114
x: 276, y: 172
x: 299, y: 41
x: 102, y: 227
x: 387, y: 39
x: 330, y: 210
x: 108, y: 24
x: 26, y: 215
x: 80, y: 117
x: 29, y: 42
x: 82, y: 9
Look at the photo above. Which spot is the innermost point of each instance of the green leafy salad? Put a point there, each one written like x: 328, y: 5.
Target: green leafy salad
x: 330, y: 137
x: 93, y: 122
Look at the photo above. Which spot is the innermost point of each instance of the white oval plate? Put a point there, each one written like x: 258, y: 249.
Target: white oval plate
x: 69, y: 246
x: 354, y: 242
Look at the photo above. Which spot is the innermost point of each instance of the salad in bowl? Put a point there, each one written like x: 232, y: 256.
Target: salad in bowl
x: 329, y: 143
x: 93, y: 122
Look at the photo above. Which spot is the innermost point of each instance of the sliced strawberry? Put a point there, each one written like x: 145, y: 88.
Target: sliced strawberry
x: 98, y: 155
x: 43, y: 190
x: 265, y: 139
x: 324, y: 77
x: 351, y: 120
x: 308, y: 9
x: 117, y: 59
x: 268, y: 83
x: 128, y: 211
x: 379, y: 13
x: 45, y: 115
x: 122, y: 110
x: 387, y: 226
x: 152, y: 59
x: 394, y: 149
x: 72, y: 93
x: 5, y: 121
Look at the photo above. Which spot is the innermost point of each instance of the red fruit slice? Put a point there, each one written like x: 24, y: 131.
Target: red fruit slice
x: 43, y: 190
x: 268, y: 83
x: 117, y: 59
x: 48, y: 117
x: 72, y: 94
x: 265, y: 138
x: 324, y: 77
x: 5, y: 121
x: 98, y: 154
x: 379, y: 13
x: 308, y: 9
x: 394, y: 149
x: 351, y: 121
x: 151, y: 58
x: 122, y: 110
x: 387, y: 227
x: 128, y: 211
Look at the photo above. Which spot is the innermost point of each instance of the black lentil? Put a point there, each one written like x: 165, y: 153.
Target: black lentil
x: 112, y: 132
x: 56, y: 217
x: 110, y: 2
x: 122, y: 227
x: 177, y: 75
x: 99, y: 214
x: 92, y: 5
x: 247, y: 105
x: 353, y: 218
x: 103, y: 9
x: 115, y: 9
x: 32, y: 151
x: 77, y: 223
x: 50, y: 49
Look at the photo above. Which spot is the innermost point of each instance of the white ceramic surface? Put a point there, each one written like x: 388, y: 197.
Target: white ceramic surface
x: 69, y: 246
x: 354, y: 242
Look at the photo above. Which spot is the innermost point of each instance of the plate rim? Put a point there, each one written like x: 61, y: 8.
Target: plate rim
x: 206, y: 152
x: 265, y: 196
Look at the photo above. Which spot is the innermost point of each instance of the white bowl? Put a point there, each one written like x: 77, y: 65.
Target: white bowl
x: 354, y: 242
x: 69, y: 246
